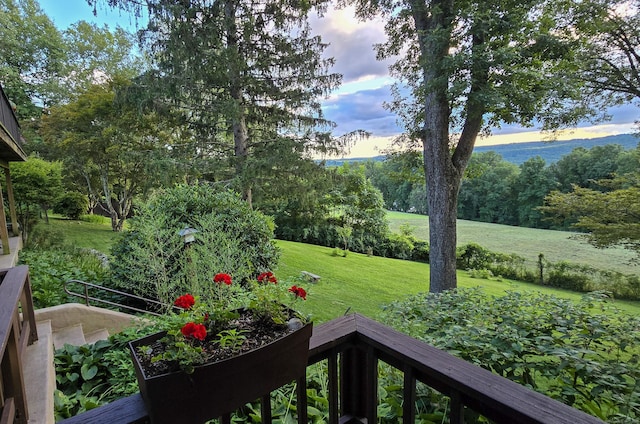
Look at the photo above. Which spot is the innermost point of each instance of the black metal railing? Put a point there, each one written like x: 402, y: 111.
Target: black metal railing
x: 353, y: 346
x: 88, y: 299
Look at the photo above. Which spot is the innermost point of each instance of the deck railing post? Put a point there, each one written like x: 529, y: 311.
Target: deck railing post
x: 13, y: 379
x: 456, y: 415
x: 359, y: 384
x: 409, y: 397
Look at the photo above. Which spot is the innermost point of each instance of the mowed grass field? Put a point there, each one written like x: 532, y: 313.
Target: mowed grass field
x: 526, y: 242
x: 364, y: 284
x: 355, y: 283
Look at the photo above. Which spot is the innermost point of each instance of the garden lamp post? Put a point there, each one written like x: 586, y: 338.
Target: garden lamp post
x: 188, y: 235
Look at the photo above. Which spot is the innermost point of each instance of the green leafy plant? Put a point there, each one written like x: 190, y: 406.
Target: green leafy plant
x: 72, y: 204
x: 231, y: 339
x: 584, y: 354
x: 91, y: 375
x: 49, y: 269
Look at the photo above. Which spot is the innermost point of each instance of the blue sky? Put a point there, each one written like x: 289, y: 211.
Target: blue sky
x: 358, y: 103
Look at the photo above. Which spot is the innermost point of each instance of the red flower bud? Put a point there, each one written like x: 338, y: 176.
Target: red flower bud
x: 197, y: 331
x: 185, y: 301
x: 222, y: 278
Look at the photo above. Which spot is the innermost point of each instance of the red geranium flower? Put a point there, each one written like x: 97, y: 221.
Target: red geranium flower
x: 185, y: 301
x: 197, y: 331
x: 267, y: 277
x: 299, y: 292
x: 222, y: 278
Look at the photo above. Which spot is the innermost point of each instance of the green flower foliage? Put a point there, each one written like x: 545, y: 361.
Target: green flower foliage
x: 91, y: 375
x: 585, y: 354
x: 152, y: 260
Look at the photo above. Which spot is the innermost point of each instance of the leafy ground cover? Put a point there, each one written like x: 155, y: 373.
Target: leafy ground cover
x: 584, y: 354
x: 526, y: 242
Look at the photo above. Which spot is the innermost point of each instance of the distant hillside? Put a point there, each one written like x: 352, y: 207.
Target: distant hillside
x: 519, y: 153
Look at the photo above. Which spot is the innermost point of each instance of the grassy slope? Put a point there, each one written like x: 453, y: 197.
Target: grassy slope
x: 90, y: 235
x: 526, y: 242
x: 363, y: 284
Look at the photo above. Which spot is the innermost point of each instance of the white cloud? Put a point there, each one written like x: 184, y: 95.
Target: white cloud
x: 351, y: 44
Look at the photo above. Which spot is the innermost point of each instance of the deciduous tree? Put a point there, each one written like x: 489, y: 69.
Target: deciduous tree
x: 103, y: 134
x: 37, y: 184
x: 470, y: 66
x: 33, y: 55
x: 607, y: 39
x: 611, y: 218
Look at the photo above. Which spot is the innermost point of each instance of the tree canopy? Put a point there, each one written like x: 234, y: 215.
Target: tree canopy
x: 466, y: 67
x: 610, y: 218
x: 33, y: 54
x: 607, y: 45
x: 247, y: 77
x: 103, y: 137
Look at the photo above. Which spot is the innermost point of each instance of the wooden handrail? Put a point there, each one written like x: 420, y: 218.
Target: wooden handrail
x: 8, y: 118
x: 17, y: 330
x: 354, y: 344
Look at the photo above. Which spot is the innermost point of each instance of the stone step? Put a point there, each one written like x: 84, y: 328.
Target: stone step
x: 73, y: 335
x: 40, y: 376
x: 94, y: 336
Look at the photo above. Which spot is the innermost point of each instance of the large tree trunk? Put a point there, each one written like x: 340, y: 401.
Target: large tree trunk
x: 443, y: 184
x: 239, y: 124
x: 441, y: 176
x: 445, y: 168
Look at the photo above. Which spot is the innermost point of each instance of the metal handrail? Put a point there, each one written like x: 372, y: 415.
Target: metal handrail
x: 87, y: 298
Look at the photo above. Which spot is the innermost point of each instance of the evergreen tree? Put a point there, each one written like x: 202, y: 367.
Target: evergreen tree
x: 247, y: 76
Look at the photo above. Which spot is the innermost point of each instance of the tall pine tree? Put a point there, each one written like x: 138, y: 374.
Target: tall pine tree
x: 247, y: 76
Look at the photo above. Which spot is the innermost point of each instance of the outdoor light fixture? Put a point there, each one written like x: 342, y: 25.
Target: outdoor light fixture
x: 188, y: 235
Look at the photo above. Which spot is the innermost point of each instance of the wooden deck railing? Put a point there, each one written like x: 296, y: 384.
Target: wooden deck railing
x: 8, y: 119
x: 353, y: 345
x: 17, y: 330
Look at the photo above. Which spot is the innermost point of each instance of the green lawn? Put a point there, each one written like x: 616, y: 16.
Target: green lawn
x: 356, y: 283
x: 526, y: 242
x: 90, y: 235
x: 364, y: 284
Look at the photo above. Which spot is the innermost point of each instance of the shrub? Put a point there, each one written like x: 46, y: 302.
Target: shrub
x: 152, y: 260
x: 569, y: 276
x: 473, y: 256
x: 72, y: 205
x: 584, y: 354
x: 398, y: 246
x: 420, y: 251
